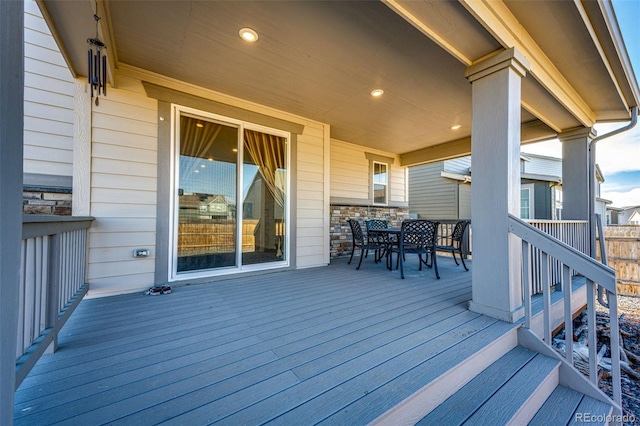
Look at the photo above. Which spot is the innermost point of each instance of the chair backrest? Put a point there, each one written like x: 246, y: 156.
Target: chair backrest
x: 458, y: 231
x: 376, y: 224
x: 356, y: 231
x: 419, y: 232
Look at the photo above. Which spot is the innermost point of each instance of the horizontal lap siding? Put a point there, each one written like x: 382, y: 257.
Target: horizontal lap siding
x: 123, y: 189
x: 543, y: 165
x: 350, y: 174
x: 431, y: 195
x: 460, y: 165
x: 349, y: 171
x: 48, y: 105
x: 398, y: 182
x: 311, y: 214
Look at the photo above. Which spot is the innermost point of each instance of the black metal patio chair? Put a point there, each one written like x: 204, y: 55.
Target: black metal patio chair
x: 417, y: 237
x: 380, y: 238
x: 362, y: 242
x: 455, y: 240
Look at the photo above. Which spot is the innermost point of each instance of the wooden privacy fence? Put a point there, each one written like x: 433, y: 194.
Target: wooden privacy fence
x: 574, y: 233
x: 623, y: 254
x: 52, y: 283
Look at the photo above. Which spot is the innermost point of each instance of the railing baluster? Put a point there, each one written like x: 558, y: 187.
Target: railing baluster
x: 567, y: 289
x: 615, y: 346
x: 22, y: 301
x: 29, y: 294
x: 546, y: 295
x: 591, y: 323
x: 54, y: 285
x: 526, y: 282
x: 38, y: 285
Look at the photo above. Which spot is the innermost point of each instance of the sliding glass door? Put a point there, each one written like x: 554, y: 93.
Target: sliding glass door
x: 219, y: 162
x: 263, y: 202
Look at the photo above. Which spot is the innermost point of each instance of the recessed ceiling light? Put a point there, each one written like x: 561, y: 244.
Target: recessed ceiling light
x: 247, y: 34
x: 235, y: 150
x: 210, y: 158
x: 203, y: 166
x: 456, y: 126
x: 199, y: 125
x: 376, y: 93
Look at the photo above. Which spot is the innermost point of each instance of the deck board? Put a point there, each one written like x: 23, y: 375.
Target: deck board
x: 292, y: 345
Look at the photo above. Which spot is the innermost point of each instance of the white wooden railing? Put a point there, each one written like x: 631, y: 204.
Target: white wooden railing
x: 52, y: 283
x: 574, y: 233
x: 551, y: 250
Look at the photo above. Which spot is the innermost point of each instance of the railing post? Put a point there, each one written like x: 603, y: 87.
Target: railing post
x: 11, y: 160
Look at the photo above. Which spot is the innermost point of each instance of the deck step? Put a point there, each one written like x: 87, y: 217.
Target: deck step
x: 509, y: 391
x: 567, y: 407
x: 442, y: 376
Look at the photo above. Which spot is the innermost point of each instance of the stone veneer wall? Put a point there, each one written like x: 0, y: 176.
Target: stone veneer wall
x: 46, y: 200
x: 341, y: 239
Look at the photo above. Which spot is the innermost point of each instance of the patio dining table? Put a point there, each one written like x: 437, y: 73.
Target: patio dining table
x: 391, y: 236
x: 388, y: 235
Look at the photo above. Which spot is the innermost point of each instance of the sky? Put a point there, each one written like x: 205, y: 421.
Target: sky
x: 618, y: 156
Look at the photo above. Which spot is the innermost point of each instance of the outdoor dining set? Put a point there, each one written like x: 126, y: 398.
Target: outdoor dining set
x: 414, y: 236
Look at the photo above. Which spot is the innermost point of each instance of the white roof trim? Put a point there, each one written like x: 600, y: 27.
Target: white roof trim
x: 456, y: 176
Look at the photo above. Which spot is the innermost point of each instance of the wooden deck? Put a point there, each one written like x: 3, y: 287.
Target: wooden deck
x: 328, y: 344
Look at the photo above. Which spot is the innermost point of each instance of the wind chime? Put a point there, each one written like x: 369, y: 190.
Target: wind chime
x: 97, y: 63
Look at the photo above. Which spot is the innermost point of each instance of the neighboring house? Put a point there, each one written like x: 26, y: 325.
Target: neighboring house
x: 613, y: 215
x: 442, y: 190
x: 205, y: 206
x: 629, y: 216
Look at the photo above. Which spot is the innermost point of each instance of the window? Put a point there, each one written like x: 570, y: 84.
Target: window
x: 380, y: 183
x: 557, y: 203
x: 526, y: 202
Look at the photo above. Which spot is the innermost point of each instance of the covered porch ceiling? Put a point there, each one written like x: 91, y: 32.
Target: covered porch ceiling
x: 321, y: 60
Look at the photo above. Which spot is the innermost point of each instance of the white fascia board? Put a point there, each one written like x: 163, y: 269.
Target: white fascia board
x: 456, y: 176
x: 545, y: 178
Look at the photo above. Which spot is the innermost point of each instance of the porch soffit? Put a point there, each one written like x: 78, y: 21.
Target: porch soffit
x: 530, y: 132
x: 174, y: 96
x: 321, y: 59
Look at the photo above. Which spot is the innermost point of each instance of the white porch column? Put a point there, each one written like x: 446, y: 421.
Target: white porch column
x: 495, y: 154
x: 575, y: 173
x: 11, y: 130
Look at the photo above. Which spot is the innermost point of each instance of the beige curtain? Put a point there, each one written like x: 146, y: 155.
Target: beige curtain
x: 197, y: 141
x: 268, y: 153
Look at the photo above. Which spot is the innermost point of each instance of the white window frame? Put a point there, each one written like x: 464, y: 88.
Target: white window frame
x: 374, y: 183
x: 173, y: 275
x: 531, y: 189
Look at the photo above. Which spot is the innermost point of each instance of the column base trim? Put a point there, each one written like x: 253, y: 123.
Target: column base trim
x: 509, y: 316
